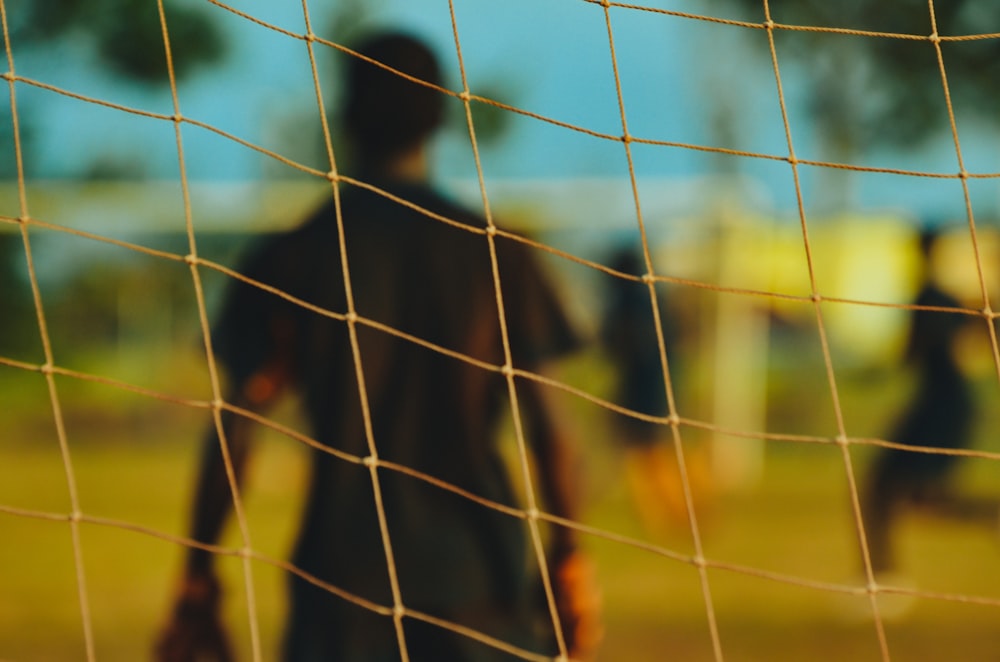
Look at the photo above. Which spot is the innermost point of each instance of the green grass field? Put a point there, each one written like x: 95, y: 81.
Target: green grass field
x: 134, y: 459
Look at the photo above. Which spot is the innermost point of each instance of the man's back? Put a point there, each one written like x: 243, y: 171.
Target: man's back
x: 430, y: 348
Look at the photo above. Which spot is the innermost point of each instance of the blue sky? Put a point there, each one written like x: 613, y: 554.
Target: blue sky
x: 551, y: 57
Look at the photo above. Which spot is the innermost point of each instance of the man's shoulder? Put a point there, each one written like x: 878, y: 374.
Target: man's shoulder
x: 934, y: 295
x: 405, y: 202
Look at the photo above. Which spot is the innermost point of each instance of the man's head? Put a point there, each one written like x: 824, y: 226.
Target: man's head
x: 385, y: 113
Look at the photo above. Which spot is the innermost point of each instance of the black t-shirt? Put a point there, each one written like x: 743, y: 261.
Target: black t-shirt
x: 420, y: 268
x: 941, y: 411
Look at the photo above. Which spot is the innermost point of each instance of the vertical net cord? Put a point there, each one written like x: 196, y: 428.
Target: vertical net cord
x: 217, y: 397
x: 842, y: 439
x: 47, y: 369
x: 372, y: 461
x: 650, y: 280
x: 987, y: 310
x: 531, y: 500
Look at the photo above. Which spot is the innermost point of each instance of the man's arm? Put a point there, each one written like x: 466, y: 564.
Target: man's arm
x: 195, y: 629
x: 558, y: 465
x: 558, y: 469
x: 213, y: 496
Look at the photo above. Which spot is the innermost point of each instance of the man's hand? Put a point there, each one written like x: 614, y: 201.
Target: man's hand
x: 195, y: 631
x: 579, y: 602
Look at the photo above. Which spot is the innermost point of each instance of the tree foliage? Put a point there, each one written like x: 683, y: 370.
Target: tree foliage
x: 889, y: 90
x: 126, y: 38
x: 122, y: 37
x: 126, y: 35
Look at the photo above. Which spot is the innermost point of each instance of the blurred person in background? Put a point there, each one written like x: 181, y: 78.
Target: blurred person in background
x: 628, y: 339
x: 430, y: 412
x: 940, y: 415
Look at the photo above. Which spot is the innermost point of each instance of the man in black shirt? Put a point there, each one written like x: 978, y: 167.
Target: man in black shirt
x: 410, y: 311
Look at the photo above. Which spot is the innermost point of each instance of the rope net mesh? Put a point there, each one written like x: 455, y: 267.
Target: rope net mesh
x: 679, y: 424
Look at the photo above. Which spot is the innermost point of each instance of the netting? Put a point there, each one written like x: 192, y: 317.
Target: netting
x: 687, y: 570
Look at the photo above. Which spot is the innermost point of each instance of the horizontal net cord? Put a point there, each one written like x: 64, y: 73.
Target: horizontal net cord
x: 686, y: 559
x: 280, y: 564
x: 48, y: 369
x: 92, y: 236
x: 680, y: 421
x: 769, y: 575
x: 398, y: 613
x: 526, y: 113
x: 176, y: 118
x: 476, y: 635
x: 987, y: 314
x: 766, y: 25
x: 597, y: 266
x: 874, y: 589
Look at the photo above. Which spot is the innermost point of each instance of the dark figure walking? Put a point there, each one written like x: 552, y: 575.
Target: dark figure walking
x: 412, y: 273
x: 628, y: 338
x: 939, y: 416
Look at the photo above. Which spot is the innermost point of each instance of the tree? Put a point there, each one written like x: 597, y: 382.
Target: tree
x: 887, y: 91
x: 123, y: 36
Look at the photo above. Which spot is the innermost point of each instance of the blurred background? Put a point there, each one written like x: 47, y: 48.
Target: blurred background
x: 741, y: 235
